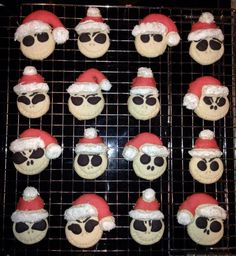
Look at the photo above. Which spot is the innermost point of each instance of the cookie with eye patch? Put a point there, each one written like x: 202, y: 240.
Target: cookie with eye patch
x: 86, y: 100
x: 38, y: 34
x: 93, y: 39
x: 207, y: 40
x: 207, y: 97
x: 30, y: 224
x: 33, y: 150
x: 143, y: 102
x: 88, y: 217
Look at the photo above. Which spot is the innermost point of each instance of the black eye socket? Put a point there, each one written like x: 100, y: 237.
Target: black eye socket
x: 75, y: 228
x: 21, y: 227
x: 202, y: 45
x: 157, y: 37
x: 77, y: 101
x: 221, y: 102
x: 40, y: 226
x: 145, y: 38
x: 156, y: 225
x: 158, y: 161
x: 28, y: 41
x: 100, y: 38
x: 83, y: 160
x: 90, y: 225
x: 94, y: 100
x: 201, y: 222
x: 137, y: 100
x: 151, y: 101
x: 215, y: 45
x: 38, y: 98
x: 202, y: 165
x: 145, y: 159
x: 214, y: 166
x: 208, y: 100
x: 215, y: 226
x: 84, y: 37
x: 37, y: 153
x: 43, y: 37
x: 139, y: 225
x: 23, y: 99
x: 96, y: 160
x: 18, y: 158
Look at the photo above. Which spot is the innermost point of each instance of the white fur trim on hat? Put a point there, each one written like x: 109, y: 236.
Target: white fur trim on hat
x: 53, y: 151
x: 91, y: 25
x: 60, y: 35
x: 90, y: 148
x: 190, y: 101
x: 146, y: 215
x: 215, y: 90
x: 204, y: 33
x: 105, y: 85
x: 211, y: 211
x: 149, y: 27
x: 129, y: 152
x: 205, y: 153
x: 107, y: 223
x: 31, y: 87
x: 143, y: 90
x: 145, y: 72
x: 30, y: 193
x: 80, y: 211
x: 29, y: 71
x: 173, y: 38
x: 148, y: 195
x: 154, y: 150
x: 29, y: 216
x: 22, y: 144
x: 184, y: 217
x: 82, y: 87
x: 207, y: 135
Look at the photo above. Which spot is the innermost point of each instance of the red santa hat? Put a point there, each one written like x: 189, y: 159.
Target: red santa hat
x: 203, y: 86
x: 42, y: 21
x: 147, y: 143
x: 32, y: 139
x: 206, y: 146
x: 147, y: 207
x: 93, y: 21
x: 30, y: 81
x: 202, y: 205
x: 92, y: 80
x: 144, y: 83
x: 158, y: 24
x: 205, y: 27
x: 89, y: 205
x: 91, y: 143
x: 30, y: 207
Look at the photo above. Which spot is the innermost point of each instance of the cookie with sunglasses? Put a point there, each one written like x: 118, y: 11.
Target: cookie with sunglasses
x: 207, y: 40
x: 93, y: 39
x: 30, y: 224
x: 143, y: 102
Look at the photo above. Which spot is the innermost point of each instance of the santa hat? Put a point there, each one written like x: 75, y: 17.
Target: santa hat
x: 147, y: 207
x: 30, y: 207
x: 158, y: 24
x: 146, y: 142
x: 30, y: 81
x: 202, y: 205
x: 89, y: 205
x: 32, y: 139
x: 206, y: 146
x: 91, y: 143
x: 144, y: 83
x: 42, y: 21
x: 203, y: 86
x: 93, y: 21
x: 205, y: 27
x: 92, y: 80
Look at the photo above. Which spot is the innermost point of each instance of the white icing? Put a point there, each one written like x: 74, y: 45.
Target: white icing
x: 31, y: 87
x: 92, y: 25
x: 207, y: 135
x: 211, y: 211
x: 107, y: 223
x: 105, y: 85
x: 28, y: 143
x: 205, y: 33
x: 205, y: 153
x: 93, y: 12
x: 149, y: 195
x: 173, y: 38
x: 90, y: 133
x: 184, y: 217
x: 129, y: 152
x: 30, y: 70
x: 83, y: 87
x: 60, y: 35
x: 190, y: 101
x: 214, y: 90
x: 145, y: 72
x: 146, y: 215
x: 29, y: 216
x: 154, y: 150
x: 143, y: 90
x: 90, y: 148
x: 149, y: 27
x: 30, y: 193
x: 206, y: 17
x: 80, y: 211
x: 53, y: 151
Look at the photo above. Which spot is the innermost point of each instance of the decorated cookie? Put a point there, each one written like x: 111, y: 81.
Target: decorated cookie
x: 33, y: 100
x: 38, y: 34
x: 86, y: 100
x: 93, y: 39
x: 206, y: 40
x: 143, y: 103
x: 148, y: 154
x: 208, y: 98
x: 153, y: 34
x: 87, y: 219
x: 33, y: 150
x: 205, y: 164
x: 147, y: 226
x: 91, y: 155
x: 30, y: 224
x: 203, y: 217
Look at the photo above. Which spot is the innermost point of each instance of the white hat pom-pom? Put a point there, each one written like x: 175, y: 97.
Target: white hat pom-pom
x: 93, y: 12
x: 108, y: 223
x: 30, y: 193
x: 190, y: 101
x: 207, y: 135
x: 145, y: 72
x: 149, y: 195
x: 206, y: 17
x: 30, y: 71
x: 60, y: 35
x: 53, y: 151
x: 129, y: 153
x: 173, y: 38
x: 184, y: 217
x: 105, y: 85
x: 90, y: 133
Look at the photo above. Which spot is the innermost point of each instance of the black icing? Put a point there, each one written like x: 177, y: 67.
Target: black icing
x: 28, y: 41
x: 75, y: 228
x: 23, y: 99
x: 137, y: 100
x: 40, y: 225
x: 145, y: 38
x: 151, y: 101
x: 158, y: 161
x: 202, y: 45
x: 139, y: 225
x: 100, y: 38
x: 94, y: 100
x: 157, y: 37
x: 38, y: 98
x: 201, y: 222
x: 156, y: 225
x: 18, y: 158
x: 221, y: 101
x: 202, y: 165
x: 96, y: 160
x: 43, y: 37
x: 145, y: 159
x: 37, y: 153
x: 215, y: 45
x: 215, y: 226
x: 214, y: 166
x: 21, y: 227
x: 83, y: 160
x: 90, y: 225
x: 208, y: 100
x: 84, y: 37
x: 77, y: 101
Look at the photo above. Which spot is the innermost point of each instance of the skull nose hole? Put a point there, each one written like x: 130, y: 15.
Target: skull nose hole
x: 152, y: 168
x: 149, y: 167
x: 32, y: 162
x: 28, y: 163
x: 215, y: 107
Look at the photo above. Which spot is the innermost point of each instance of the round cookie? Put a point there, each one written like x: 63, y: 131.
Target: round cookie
x: 87, y: 219
x: 93, y: 39
x: 148, y: 154
x: 30, y: 223
x: 91, y: 155
x: 143, y: 103
x: 33, y: 150
x: 153, y: 34
x: 203, y: 217
x: 147, y: 226
x: 38, y: 34
x: 86, y: 100
x: 208, y: 98
x: 206, y: 40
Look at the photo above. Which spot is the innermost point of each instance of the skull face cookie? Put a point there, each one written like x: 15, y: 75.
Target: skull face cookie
x: 39, y: 33
x: 206, y: 40
x: 87, y: 219
x: 208, y: 98
x: 33, y: 150
x: 86, y: 100
x: 203, y: 217
x: 143, y: 103
x: 147, y: 226
x: 153, y: 34
x: 148, y: 154
x: 93, y: 39
x: 30, y: 223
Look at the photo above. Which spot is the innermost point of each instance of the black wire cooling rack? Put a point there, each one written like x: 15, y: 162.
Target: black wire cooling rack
x: 59, y: 185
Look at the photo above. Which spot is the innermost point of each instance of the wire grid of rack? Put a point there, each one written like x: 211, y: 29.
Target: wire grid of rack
x: 59, y: 185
